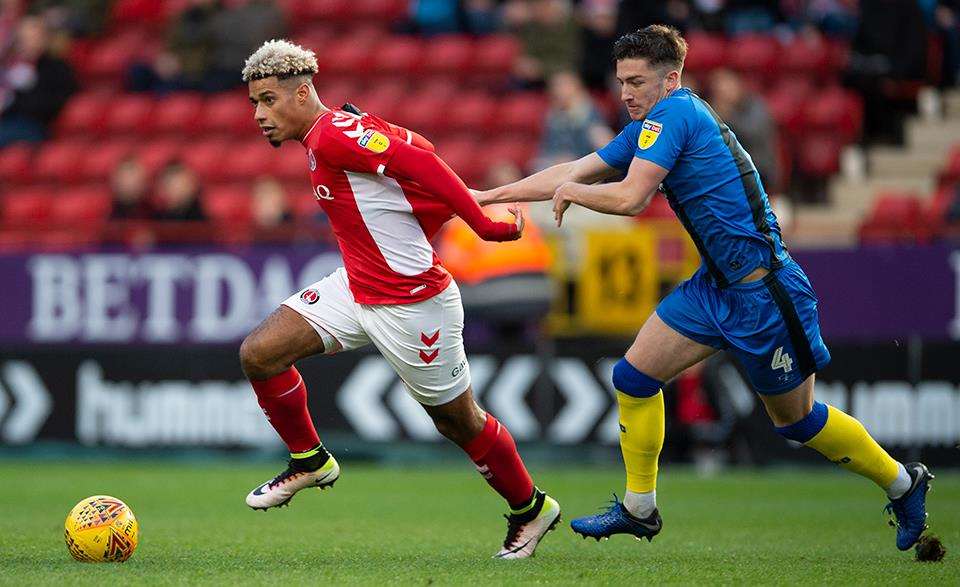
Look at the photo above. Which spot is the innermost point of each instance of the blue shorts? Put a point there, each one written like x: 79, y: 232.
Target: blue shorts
x: 770, y: 325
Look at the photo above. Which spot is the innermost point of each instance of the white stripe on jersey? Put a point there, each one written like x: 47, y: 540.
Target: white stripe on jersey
x: 391, y: 223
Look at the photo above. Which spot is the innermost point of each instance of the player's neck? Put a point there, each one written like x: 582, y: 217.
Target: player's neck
x: 318, y: 110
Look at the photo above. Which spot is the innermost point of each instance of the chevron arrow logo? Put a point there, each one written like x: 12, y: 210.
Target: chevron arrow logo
x: 31, y: 406
x: 429, y: 340
x: 429, y: 357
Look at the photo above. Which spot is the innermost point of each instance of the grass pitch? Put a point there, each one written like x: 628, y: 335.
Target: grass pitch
x: 386, y: 525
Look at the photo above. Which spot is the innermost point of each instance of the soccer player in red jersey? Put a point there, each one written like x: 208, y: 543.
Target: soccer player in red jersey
x: 386, y: 194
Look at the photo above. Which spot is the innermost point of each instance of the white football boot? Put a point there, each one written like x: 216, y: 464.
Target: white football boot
x: 278, y: 491
x: 524, y: 531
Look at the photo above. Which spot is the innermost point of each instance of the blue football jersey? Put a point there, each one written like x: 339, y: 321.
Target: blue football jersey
x: 712, y: 184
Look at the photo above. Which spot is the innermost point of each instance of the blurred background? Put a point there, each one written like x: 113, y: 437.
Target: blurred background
x: 146, y: 226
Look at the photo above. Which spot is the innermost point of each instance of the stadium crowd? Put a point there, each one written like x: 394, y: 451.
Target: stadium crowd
x: 133, y: 110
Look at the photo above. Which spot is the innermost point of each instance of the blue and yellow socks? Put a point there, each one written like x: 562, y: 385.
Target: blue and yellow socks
x: 641, y: 434
x: 844, y: 440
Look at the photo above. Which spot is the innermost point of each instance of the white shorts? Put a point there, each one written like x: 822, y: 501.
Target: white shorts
x: 422, y: 341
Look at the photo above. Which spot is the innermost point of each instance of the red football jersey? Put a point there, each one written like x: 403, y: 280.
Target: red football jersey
x: 383, y: 225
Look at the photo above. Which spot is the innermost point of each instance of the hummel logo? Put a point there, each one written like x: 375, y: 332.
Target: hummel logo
x: 429, y: 340
x: 429, y: 357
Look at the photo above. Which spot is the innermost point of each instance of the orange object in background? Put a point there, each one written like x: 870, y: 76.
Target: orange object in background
x: 472, y: 260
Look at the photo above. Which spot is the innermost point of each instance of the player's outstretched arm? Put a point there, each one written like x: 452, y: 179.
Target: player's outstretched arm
x: 541, y: 185
x: 424, y: 167
x: 625, y: 198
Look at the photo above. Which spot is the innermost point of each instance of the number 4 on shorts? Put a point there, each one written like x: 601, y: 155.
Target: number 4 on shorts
x: 781, y: 360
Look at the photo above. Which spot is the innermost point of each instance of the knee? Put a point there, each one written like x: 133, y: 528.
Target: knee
x: 803, y: 427
x: 455, y: 427
x: 255, y: 360
x: 631, y: 381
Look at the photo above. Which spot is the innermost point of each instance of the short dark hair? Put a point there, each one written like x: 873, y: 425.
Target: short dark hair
x: 659, y: 44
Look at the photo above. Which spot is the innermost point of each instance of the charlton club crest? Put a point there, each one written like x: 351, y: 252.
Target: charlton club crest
x: 311, y: 160
x: 310, y: 297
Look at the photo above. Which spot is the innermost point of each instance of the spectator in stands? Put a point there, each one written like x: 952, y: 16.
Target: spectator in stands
x: 269, y: 204
x: 187, y: 58
x: 178, y: 194
x: 481, y: 17
x: 131, y: 191
x: 747, y: 115
x: 599, y: 20
x: 237, y: 32
x: 887, y: 64
x: 433, y: 17
x: 550, y: 38
x: 35, y: 83
x: 574, y: 125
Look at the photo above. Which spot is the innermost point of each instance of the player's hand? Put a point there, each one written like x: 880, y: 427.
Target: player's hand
x: 561, y: 201
x: 517, y: 212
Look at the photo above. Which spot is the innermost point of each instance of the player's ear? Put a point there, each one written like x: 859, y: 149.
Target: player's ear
x: 303, y: 92
x: 673, y: 79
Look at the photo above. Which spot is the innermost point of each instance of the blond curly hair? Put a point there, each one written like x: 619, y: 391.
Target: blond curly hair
x: 280, y: 58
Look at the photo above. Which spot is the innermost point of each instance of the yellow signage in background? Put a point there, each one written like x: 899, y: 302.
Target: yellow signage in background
x: 618, y: 285
x: 619, y: 279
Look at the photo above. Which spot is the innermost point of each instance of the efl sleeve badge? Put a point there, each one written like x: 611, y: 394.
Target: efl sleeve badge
x: 374, y: 141
x: 649, y: 134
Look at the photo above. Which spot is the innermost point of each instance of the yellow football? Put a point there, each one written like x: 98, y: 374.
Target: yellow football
x: 101, y: 529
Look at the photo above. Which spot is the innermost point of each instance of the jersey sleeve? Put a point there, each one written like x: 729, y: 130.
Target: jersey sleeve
x: 664, y: 132
x: 358, y: 144
x: 618, y: 153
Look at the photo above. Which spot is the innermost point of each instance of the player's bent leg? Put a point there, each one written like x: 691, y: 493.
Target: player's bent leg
x: 659, y: 353
x: 490, y: 446
x: 267, y: 356
x: 843, y: 439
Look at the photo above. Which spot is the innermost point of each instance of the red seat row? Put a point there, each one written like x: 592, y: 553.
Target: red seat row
x: 765, y: 55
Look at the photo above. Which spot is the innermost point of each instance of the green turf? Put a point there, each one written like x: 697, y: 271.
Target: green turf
x: 440, y: 525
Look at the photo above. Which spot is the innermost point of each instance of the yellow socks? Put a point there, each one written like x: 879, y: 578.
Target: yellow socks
x: 844, y: 440
x: 641, y: 439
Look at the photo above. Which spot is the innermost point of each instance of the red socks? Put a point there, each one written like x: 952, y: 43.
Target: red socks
x: 495, y: 454
x: 283, y: 398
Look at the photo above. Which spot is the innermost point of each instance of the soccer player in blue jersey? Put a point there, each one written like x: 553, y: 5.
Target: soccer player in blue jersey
x: 748, y: 296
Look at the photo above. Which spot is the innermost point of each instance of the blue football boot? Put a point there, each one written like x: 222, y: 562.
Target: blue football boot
x: 617, y: 520
x: 910, y: 509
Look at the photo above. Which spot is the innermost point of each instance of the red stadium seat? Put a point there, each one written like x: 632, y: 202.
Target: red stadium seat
x: 896, y: 217
x: 836, y: 110
x: 155, y: 154
x: 246, y: 161
x: 81, y: 205
x: 424, y: 114
x: 470, y: 112
x: 129, y: 114
x: 177, y: 114
x: 818, y: 155
x: 951, y: 171
x: 515, y: 150
x: 496, y: 54
x: 348, y: 58
x: 786, y: 108
x: 290, y: 164
x: 659, y: 209
x: 704, y: 52
x: 15, y: 163
x: 382, y: 10
x: 754, y: 54
x: 227, y: 204
x: 466, y: 158
x: 129, y: 12
x: 59, y: 161
x: 206, y: 157
x: 319, y: 10
x: 450, y: 55
x: 98, y: 164
x: 806, y: 55
x: 401, y: 56
x: 109, y: 58
x: 227, y: 113
x: 523, y: 113
x: 27, y: 206
x: 84, y: 114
